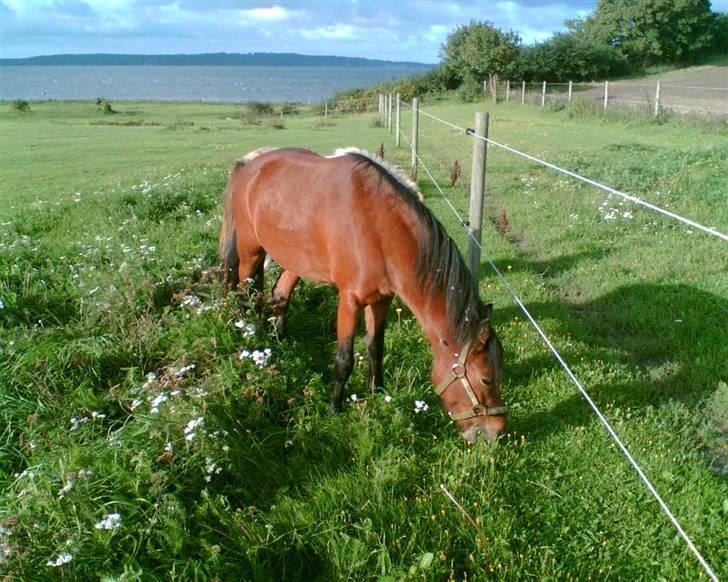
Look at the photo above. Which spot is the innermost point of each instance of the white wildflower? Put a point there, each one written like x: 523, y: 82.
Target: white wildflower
x: 65, y: 489
x: 151, y: 378
x: 354, y: 397
x: 136, y: 403
x: 183, y: 370
x: 421, y: 406
x: 388, y: 398
x: 96, y: 414
x: 77, y: 422
x: 191, y: 301
x: 211, y: 468
x: 168, y: 447
x: 157, y: 402
x: 191, y: 426
x: 111, y: 521
x: 60, y: 560
x: 247, y: 328
x: 259, y: 357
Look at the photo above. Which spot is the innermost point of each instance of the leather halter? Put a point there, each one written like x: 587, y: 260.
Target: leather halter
x: 458, y: 373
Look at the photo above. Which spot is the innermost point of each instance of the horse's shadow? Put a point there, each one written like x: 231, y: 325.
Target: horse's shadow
x: 670, y: 338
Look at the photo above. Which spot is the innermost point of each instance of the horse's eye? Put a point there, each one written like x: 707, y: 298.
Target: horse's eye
x: 487, y: 381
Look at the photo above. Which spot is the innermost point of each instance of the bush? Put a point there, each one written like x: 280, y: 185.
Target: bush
x: 258, y: 108
x: 21, y: 105
x: 471, y: 90
x: 105, y: 106
x: 290, y: 108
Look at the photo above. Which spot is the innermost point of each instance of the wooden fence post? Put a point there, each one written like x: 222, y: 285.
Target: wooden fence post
x: 415, y: 131
x: 326, y: 108
x: 606, y: 94
x: 508, y: 91
x: 389, y: 113
x: 485, y: 88
x: 523, y: 92
x: 657, y: 99
x: 397, y: 122
x: 571, y: 85
x: 543, y: 94
x: 477, y: 193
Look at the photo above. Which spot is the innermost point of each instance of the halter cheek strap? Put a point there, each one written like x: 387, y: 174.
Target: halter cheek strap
x: 457, y: 372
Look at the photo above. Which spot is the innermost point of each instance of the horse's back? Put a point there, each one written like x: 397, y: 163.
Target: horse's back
x: 327, y: 219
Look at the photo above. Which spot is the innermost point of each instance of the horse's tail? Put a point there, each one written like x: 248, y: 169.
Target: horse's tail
x: 228, y: 247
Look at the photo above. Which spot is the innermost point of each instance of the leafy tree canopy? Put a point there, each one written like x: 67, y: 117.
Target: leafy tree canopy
x: 654, y: 31
x: 479, y: 50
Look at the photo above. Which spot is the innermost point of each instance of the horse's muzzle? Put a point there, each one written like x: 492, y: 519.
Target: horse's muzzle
x: 480, y: 432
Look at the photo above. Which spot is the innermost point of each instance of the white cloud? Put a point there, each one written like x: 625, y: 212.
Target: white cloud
x: 335, y: 32
x: 267, y: 14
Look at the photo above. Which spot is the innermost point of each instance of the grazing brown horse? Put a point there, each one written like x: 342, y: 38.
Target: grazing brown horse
x: 354, y: 222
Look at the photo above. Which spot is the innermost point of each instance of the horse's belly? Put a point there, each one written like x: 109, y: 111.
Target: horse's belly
x: 299, y: 255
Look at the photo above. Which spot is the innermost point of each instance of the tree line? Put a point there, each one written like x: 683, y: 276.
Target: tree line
x: 620, y: 38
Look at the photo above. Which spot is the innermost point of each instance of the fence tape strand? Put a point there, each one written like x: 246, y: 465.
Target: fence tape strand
x: 634, y: 199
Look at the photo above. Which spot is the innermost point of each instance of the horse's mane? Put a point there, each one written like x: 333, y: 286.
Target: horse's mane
x: 439, y: 266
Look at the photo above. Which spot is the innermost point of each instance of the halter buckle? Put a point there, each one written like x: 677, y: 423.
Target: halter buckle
x: 458, y: 370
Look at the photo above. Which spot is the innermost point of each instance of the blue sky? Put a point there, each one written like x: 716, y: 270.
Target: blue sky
x: 411, y: 30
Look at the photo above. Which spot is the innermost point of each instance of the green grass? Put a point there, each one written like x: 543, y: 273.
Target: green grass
x: 108, y: 231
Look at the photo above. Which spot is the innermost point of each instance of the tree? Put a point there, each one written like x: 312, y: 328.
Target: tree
x: 478, y: 51
x: 654, y: 31
x: 571, y: 56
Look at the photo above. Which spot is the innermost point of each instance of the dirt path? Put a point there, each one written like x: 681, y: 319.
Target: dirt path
x: 700, y: 90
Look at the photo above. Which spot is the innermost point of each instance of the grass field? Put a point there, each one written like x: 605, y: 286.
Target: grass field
x: 137, y: 444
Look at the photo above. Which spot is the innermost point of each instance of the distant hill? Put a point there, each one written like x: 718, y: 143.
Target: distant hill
x: 249, y: 59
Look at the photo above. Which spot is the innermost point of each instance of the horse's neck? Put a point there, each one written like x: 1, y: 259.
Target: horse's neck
x: 431, y: 312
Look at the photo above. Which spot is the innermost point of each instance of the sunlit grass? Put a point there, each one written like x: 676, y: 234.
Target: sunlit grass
x: 141, y: 438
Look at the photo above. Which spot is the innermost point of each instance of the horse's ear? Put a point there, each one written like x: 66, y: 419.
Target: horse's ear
x: 486, y: 328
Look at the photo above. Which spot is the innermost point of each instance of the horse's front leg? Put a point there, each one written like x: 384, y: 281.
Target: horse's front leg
x: 376, y: 320
x: 346, y: 320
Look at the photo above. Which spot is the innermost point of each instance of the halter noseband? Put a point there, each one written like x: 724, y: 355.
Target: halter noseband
x: 458, y: 373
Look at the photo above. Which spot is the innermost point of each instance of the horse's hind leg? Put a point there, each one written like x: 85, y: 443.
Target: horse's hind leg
x: 281, y: 297
x: 376, y: 320
x: 346, y: 320
x: 250, y: 271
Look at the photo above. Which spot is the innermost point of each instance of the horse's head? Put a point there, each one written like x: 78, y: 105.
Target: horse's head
x: 470, y: 390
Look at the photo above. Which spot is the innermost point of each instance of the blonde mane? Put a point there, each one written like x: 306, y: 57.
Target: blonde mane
x: 395, y: 171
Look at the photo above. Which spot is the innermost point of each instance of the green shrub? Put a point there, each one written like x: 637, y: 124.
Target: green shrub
x: 290, y: 109
x: 258, y: 108
x: 21, y: 105
x: 470, y: 91
x: 105, y: 106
